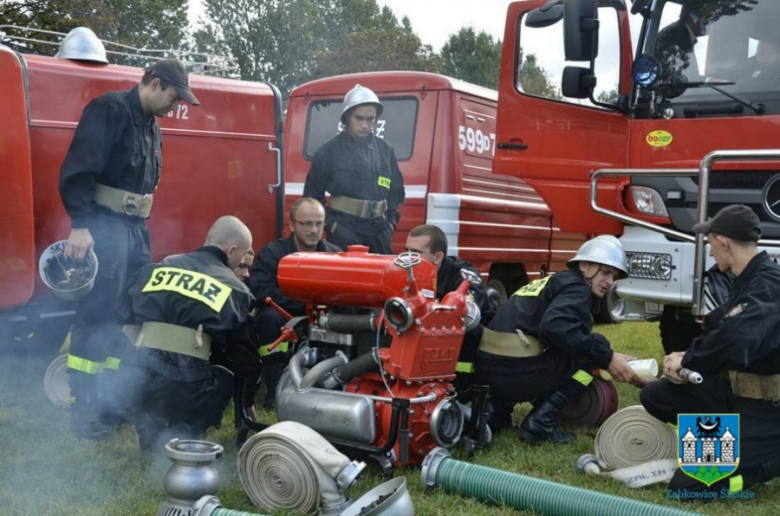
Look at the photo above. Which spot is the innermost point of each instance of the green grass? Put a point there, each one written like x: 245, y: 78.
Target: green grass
x: 45, y: 471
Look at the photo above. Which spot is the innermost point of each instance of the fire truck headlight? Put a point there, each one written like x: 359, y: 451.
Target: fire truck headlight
x: 652, y: 266
x: 648, y: 201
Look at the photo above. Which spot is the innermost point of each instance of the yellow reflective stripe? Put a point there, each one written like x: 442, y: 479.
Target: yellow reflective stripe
x: 384, y: 182
x: 111, y: 363
x: 84, y: 365
x: 465, y: 367
x: 193, y: 285
x: 583, y: 377
x: 735, y: 484
x: 281, y: 348
x: 66, y: 343
x: 532, y: 289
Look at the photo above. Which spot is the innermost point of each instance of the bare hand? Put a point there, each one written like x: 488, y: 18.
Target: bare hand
x: 620, y: 370
x: 79, y: 242
x: 673, y: 364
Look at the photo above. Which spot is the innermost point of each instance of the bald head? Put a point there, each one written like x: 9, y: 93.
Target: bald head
x: 232, y: 236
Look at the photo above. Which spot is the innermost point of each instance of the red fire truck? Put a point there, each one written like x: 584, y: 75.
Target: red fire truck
x: 656, y: 100
x: 226, y: 157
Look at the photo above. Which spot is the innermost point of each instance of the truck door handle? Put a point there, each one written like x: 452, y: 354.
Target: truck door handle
x: 278, y: 167
x: 512, y: 145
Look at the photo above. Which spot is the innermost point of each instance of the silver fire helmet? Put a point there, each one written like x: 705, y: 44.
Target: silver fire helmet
x: 69, y: 279
x: 604, y: 250
x: 358, y: 96
x: 81, y: 44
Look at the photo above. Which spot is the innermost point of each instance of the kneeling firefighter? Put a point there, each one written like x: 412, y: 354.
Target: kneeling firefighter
x: 190, y: 312
x: 540, y: 346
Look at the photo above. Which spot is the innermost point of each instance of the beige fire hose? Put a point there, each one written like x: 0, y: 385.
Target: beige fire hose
x: 290, y: 466
x: 55, y: 382
x: 638, y: 448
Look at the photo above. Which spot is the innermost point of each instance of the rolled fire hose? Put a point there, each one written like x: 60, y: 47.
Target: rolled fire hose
x: 528, y: 493
x: 597, y: 403
x: 640, y: 449
x: 388, y: 499
x: 291, y: 466
x: 55, y: 382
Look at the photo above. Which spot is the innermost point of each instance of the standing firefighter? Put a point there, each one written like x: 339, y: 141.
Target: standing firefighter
x: 360, y: 172
x: 190, y: 312
x: 106, y: 183
x: 540, y: 346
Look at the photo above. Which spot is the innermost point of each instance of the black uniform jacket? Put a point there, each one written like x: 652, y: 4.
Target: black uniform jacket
x: 744, y: 333
x: 448, y: 279
x: 190, y: 290
x: 116, y: 145
x: 263, y: 281
x: 556, y: 310
x: 361, y: 169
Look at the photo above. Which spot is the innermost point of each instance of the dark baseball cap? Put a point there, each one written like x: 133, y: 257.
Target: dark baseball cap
x: 174, y: 72
x: 735, y: 221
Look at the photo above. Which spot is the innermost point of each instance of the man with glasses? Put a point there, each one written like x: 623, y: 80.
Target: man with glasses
x: 307, y: 220
x: 361, y: 173
x: 540, y: 346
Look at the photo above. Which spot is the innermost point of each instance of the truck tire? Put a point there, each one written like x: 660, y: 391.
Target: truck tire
x: 496, y: 293
x: 611, y: 308
x: 678, y: 328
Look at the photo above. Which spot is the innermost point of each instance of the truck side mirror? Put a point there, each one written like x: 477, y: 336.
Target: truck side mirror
x: 578, y: 83
x: 548, y: 14
x: 581, y: 30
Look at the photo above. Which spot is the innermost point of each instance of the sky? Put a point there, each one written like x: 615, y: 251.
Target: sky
x: 428, y: 20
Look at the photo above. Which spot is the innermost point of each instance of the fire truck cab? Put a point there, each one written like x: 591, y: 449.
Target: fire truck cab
x: 617, y: 114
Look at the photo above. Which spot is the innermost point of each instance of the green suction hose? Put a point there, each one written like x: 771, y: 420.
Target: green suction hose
x: 528, y: 493
x: 230, y: 512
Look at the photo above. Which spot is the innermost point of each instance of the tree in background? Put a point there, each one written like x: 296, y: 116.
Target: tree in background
x: 535, y: 80
x: 472, y: 57
x: 149, y: 24
x: 390, y: 47
x: 609, y: 96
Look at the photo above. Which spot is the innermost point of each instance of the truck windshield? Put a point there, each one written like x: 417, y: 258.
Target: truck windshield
x: 396, y: 125
x: 718, y: 40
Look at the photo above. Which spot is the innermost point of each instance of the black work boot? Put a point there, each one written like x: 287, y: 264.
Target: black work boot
x: 84, y: 419
x: 541, y: 424
x: 499, y: 415
x: 272, y: 373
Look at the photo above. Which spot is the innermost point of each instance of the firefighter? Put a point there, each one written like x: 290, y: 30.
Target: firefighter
x: 360, y: 172
x: 190, y: 313
x: 540, y: 346
x: 431, y: 243
x: 738, y: 355
x: 767, y: 74
x: 307, y: 219
x: 107, y: 181
x: 242, y: 269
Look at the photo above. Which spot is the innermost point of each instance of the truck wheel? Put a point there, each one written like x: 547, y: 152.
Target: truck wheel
x: 678, y: 328
x: 611, y: 308
x: 496, y: 293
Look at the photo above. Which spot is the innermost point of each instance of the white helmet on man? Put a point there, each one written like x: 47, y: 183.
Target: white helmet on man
x: 358, y: 96
x: 604, y: 250
x: 82, y: 44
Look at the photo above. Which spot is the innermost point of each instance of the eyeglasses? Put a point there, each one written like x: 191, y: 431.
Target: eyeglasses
x: 311, y: 225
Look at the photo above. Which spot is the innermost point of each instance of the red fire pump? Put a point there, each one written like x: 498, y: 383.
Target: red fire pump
x: 394, y: 399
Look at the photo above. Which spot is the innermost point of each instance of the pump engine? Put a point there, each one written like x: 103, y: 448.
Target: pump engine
x: 374, y: 375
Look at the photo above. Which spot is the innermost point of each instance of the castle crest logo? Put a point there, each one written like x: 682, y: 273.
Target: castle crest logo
x: 708, y: 445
